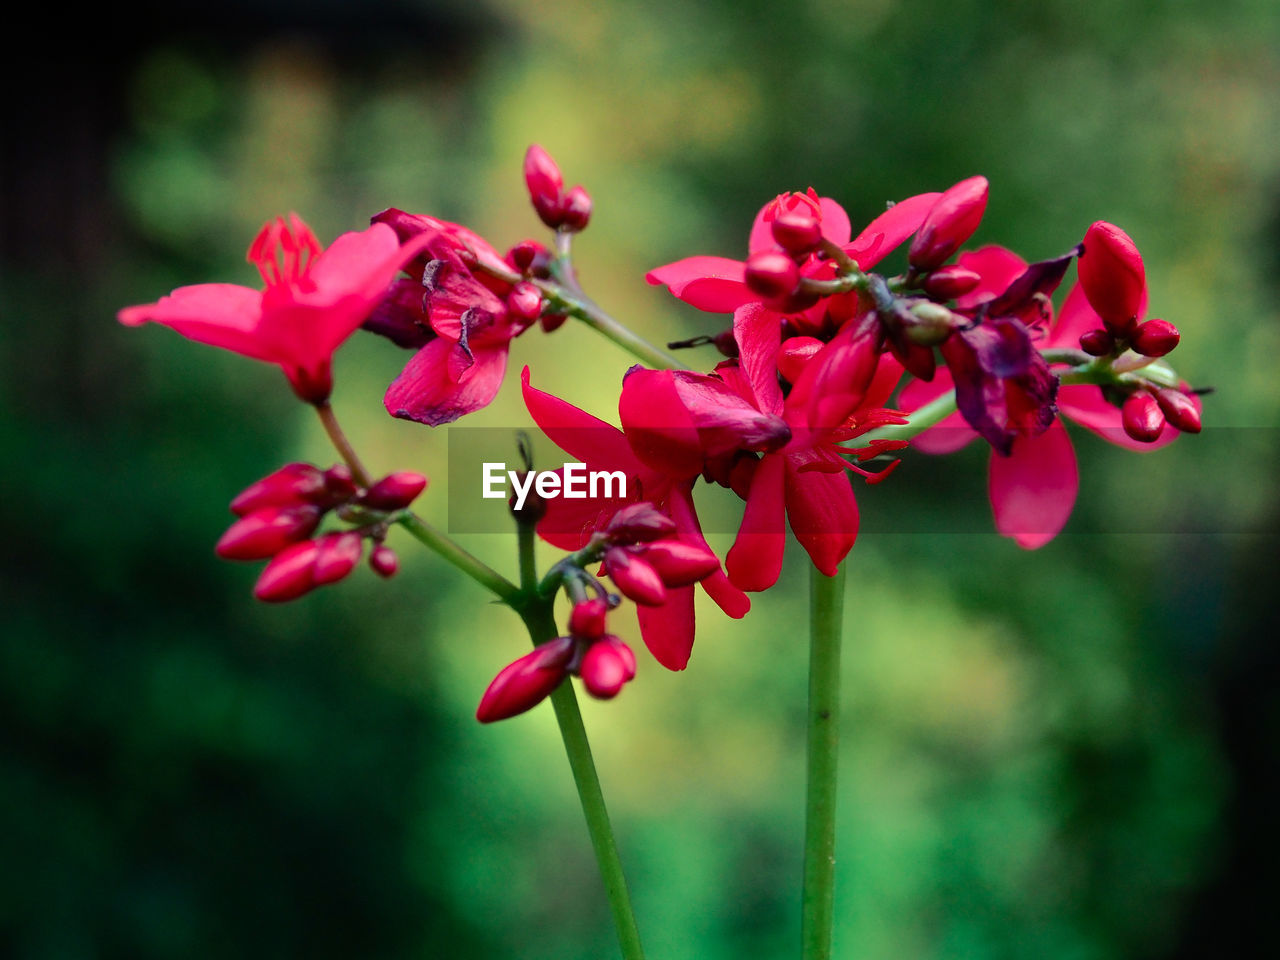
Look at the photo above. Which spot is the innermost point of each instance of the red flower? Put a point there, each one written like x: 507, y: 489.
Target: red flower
x: 314, y: 299
x: 467, y: 315
x: 667, y: 629
x: 1034, y: 488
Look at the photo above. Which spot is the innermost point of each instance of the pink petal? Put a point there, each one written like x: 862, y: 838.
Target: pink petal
x: 569, y: 523
x: 758, y: 331
x: 425, y: 392
x: 890, y: 230
x: 728, y: 597
x: 998, y: 268
x: 835, y: 222
x: 579, y: 434
x: 1084, y: 404
x: 714, y: 284
x: 658, y: 425
x: 949, y: 434
x: 1034, y: 488
x: 755, y: 560
x: 668, y: 629
x: 823, y: 515
x: 1075, y: 318
x: 220, y: 314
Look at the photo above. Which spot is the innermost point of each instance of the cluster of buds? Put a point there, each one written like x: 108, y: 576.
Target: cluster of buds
x: 1114, y: 281
x: 279, y: 514
x: 603, y: 661
x: 531, y: 260
x: 774, y: 273
x: 559, y: 209
x: 644, y: 556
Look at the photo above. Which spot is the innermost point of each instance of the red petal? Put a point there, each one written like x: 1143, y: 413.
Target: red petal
x: 949, y: 434
x: 425, y: 392
x: 1034, y: 488
x: 755, y: 560
x: 729, y: 598
x: 714, y: 284
x: 759, y: 334
x: 890, y: 230
x: 220, y: 314
x: 588, y: 439
x: 668, y: 629
x: 823, y: 515
x: 835, y: 222
x: 658, y: 425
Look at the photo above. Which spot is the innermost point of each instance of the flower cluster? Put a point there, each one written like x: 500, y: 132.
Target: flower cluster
x: 826, y: 370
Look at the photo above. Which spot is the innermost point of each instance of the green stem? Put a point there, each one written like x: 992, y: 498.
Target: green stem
x: 826, y: 605
x: 538, y: 617
x: 922, y: 419
x: 475, y: 568
x: 339, y: 440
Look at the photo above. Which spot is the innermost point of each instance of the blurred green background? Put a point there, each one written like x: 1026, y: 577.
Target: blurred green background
x: 1068, y: 754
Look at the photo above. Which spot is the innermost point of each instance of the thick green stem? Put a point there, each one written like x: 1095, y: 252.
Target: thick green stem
x: 826, y: 606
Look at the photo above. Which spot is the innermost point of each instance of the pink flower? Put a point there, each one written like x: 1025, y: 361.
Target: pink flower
x: 668, y: 628
x: 314, y: 299
x: 718, y: 284
x: 467, y: 315
x: 1033, y: 489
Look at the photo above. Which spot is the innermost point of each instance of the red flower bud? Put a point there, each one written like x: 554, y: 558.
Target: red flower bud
x: 384, y: 561
x: 1141, y: 417
x: 289, y: 574
x: 949, y: 223
x: 635, y: 577
x: 794, y: 353
x: 339, y: 482
x: 606, y: 667
x: 680, y: 563
x: 639, y: 522
x: 1112, y: 275
x: 947, y: 283
x: 576, y: 209
x: 1179, y: 409
x: 1097, y: 343
x: 1155, y: 338
x: 587, y: 619
x: 543, y: 180
x: 772, y: 274
x: 798, y: 231
x: 292, y: 484
x: 336, y: 556
x: 526, y: 682
x: 551, y: 322
x: 264, y: 533
x: 724, y: 342
x: 394, y: 491
x: 525, y: 301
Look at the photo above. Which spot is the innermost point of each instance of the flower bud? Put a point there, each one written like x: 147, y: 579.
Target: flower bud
x: 526, y: 254
x: 726, y: 343
x: 794, y: 353
x: 797, y: 231
x: 526, y: 682
x: 931, y: 323
x: 264, y: 533
x: 949, y: 223
x: 587, y: 619
x: 576, y: 209
x: 679, y: 562
x: 638, y: 523
x: 384, y: 561
x: 544, y: 183
x: 339, y: 482
x: 525, y: 301
x: 949, y: 282
x: 606, y: 667
x: 1141, y: 417
x: 1112, y: 275
x: 1179, y: 409
x: 336, y: 556
x: 635, y: 578
x: 289, y: 574
x: 772, y: 274
x: 1155, y: 338
x: 394, y: 491
x: 292, y: 484
x: 550, y: 322
x: 1097, y: 343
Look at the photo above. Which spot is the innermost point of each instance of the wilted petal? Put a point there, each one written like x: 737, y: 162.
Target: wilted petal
x: 1034, y: 488
x: 997, y: 266
x: 425, y: 392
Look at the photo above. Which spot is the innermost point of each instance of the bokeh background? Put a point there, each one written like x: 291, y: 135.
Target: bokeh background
x: 1068, y: 754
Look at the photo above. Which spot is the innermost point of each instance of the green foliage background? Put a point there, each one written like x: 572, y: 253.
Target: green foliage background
x: 1065, y: 754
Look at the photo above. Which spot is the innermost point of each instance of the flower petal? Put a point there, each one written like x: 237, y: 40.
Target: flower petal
x: 949, y: 434
x: 425, y: 392
x: 755, y: 560
x: 758, y: 332
x: 220, y: 314
x: 589, y: 439
x: 714, y: 284
x: 667, y: 629
x: 1034, y: 488
x: 1084, y: 404
x: 729, y: 598
x: 890, y: 230
x: 658, y: 425
x: 823, y: 515
x: 997, y: 266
